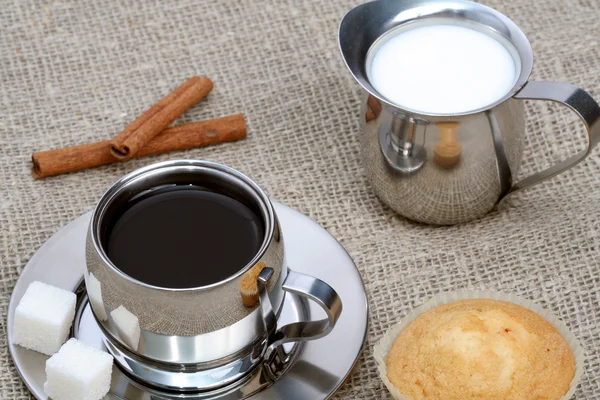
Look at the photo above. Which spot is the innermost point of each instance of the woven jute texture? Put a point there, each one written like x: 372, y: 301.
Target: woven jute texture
x: 73, y: 72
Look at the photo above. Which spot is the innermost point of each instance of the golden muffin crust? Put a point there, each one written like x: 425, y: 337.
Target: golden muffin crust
x: 481, y: 350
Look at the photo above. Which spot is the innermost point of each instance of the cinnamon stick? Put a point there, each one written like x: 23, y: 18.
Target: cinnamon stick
x: 154, y: 120
x: 198, y: 134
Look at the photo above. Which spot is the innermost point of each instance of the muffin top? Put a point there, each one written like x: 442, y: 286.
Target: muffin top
x: 481, y: 349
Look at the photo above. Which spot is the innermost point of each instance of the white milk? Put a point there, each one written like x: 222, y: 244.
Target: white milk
x: 442, y: 69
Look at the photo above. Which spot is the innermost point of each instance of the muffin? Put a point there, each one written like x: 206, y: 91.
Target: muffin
x: 479, y: 349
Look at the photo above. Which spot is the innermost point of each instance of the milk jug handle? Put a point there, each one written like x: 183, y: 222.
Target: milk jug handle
x: 577, y: 100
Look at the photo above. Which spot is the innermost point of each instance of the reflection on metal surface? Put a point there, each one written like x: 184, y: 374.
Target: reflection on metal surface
x: 463, y: 168
x: 504, y: 170
x: 466, y: 185
x: 309, y: 247
x: 313, y: 375
x: 128, y: 326
x: 447, y: 151
x: 374, y: 109
x: 235, y: 374
x: 200, y: 338
x: 94, y: 289
x: 248, y: 285
x: 402, y: 141
x: 196, y: 328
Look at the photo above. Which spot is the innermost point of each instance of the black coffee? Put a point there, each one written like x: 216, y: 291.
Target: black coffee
x: 183, y: 237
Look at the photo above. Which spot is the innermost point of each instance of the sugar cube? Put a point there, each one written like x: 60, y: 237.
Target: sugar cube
x: 78, y: 372
x: 128, y: 326
x: 94, y: 290
x: 43, y: 318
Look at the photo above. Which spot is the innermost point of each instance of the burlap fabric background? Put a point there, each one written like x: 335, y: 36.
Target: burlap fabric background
x: 74, y: 72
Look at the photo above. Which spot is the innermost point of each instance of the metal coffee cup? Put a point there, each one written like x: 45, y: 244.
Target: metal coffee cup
x: 201, y: 338
x: 447, y: 169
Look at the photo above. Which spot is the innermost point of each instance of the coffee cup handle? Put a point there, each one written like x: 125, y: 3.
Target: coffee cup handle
x: 577, y: 100
x: 305, y: 286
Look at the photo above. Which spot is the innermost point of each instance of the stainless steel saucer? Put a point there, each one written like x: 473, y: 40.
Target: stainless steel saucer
x: 316, y: 369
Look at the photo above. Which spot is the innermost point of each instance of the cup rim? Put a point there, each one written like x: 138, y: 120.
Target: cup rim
x: 392, y: 15
x: 115, y: 189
